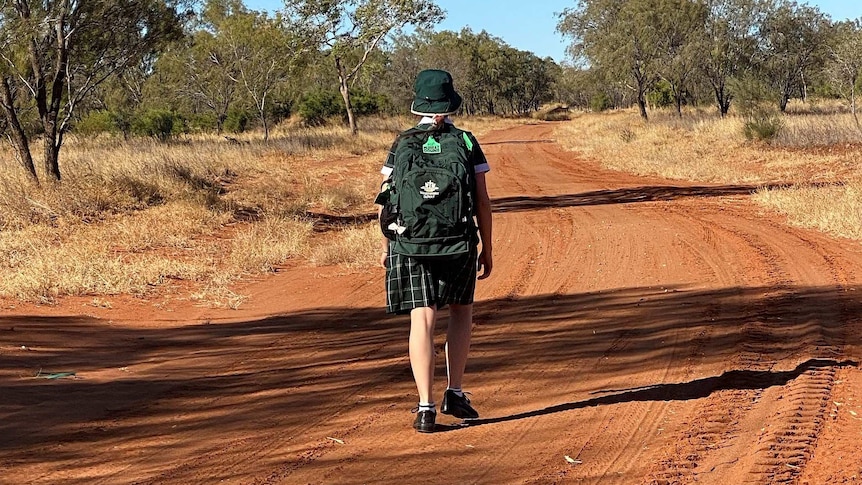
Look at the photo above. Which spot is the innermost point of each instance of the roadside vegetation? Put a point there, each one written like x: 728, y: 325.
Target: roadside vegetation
x: 811, y: 170
x: 199, y: 213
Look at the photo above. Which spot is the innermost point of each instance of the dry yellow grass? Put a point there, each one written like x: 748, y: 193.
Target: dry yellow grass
x: 131, y: 216
x: 354, y: 247
x: 835, y: 210
x: 816, y: 144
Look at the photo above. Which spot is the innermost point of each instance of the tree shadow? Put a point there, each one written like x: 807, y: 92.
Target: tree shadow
x: 325, y: 222
x: 284, y: 371
x: 517, y: 142
x: 630, y: 195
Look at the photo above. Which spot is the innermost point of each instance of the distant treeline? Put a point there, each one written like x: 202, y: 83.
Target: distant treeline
x: 159, y: 68
x: 676, y: 52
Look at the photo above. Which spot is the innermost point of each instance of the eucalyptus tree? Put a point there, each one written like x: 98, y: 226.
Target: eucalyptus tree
x: 793, y: 42
x: 263, y: 53
x: 529, y: 82
x: 465, y: 54
x: 490, y: 70
x: 845, y: 61
x: 54, y: 54
x: 203, y: 68
x: 619, y: 37
x: 536, y: 85
x: 491, y: 76
x: 344, y: 27
x: 403, y: 63
x: 575, y: 86
x: 730, y: 44
x: 452, y: 51
x: 13, y: 129
x: 681, y: 28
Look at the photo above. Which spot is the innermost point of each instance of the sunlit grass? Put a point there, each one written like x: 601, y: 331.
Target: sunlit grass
x: 133, y: 216
x: 818, y: 145
x: 835, y: 210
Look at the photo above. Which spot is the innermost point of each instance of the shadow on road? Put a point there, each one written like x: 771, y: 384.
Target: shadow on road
x: 630, y: 195
x: 627, y: 195
x: 696, y: 389
x: 138, y: 382
x: 517, y: 142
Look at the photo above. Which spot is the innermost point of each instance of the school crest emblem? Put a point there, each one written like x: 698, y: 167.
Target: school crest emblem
x: 429, y: 190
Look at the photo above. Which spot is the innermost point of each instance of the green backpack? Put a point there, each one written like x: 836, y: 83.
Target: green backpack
x: 431, y: 191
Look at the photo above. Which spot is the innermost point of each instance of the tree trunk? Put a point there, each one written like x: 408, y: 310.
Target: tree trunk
x: 265, y: 124
x: 722, y: 99
x: 51, y: 142
x: 17, y: 136
x: 853, y: 104
x: 351, y: 119
x: 345, y: 94
x: 641, y: 88
x: 677, y: 98
x: 642, y: 107
x: 49, y: 108
x: 52, y: 157
x: 641, y: 98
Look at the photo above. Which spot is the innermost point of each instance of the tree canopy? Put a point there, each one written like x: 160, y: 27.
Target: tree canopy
x: 160, y: 68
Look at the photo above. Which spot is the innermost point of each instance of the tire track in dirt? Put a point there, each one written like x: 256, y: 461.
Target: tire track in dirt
x: 757, y: 341
x: 710, y: 439
x: 600, y: 419
x: 234, y: 454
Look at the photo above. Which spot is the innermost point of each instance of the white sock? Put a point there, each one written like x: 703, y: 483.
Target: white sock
x: 428, y: 406
x: 458, y: 392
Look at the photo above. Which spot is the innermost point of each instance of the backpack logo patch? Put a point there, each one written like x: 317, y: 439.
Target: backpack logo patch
x: 431, y: 146
x: 429, y: 190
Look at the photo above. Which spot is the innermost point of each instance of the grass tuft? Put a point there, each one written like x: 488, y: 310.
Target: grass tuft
x: 355, y: 247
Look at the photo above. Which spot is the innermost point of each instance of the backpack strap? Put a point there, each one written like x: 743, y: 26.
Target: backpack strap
x: 467, y: 141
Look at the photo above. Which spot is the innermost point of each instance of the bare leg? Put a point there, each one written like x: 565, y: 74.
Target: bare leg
x: 458, y: 342
x: 422, y: 350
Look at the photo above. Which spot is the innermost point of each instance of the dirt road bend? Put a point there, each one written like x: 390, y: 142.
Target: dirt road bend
x: 635, y: 331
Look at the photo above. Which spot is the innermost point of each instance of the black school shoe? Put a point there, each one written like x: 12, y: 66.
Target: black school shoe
x: 458, y: 406
x: 424, y: 422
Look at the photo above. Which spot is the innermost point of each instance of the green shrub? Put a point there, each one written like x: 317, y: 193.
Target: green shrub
x: 756, y: 103
x: 180, y: 125
x: 202, y: 123
x: 156, y: 123
x: 236, y: 121
x: 661, y: 96
x: 281, y: 110
x: 96, y: 123
x: 762, y: 125
x: 365, y: 103
x: 601, y: 102
x: 318, y: 106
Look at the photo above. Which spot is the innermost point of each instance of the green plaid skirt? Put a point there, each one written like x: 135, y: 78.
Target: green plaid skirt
x: 414, y: 284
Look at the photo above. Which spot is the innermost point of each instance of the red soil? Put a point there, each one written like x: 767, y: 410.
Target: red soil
x: 651, y: 331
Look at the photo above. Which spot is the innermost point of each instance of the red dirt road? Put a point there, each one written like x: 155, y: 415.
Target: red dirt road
x: 651, y: 331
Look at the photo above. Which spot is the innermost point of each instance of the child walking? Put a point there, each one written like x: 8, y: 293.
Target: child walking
x: 422, y: 275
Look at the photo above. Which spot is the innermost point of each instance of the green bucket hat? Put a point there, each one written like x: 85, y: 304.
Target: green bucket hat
x: 434, y: 94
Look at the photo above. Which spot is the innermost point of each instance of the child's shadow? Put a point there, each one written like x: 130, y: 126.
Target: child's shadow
x: 735, y: 379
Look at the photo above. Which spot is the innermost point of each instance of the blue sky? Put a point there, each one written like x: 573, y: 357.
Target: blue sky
x: 531, y: 25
